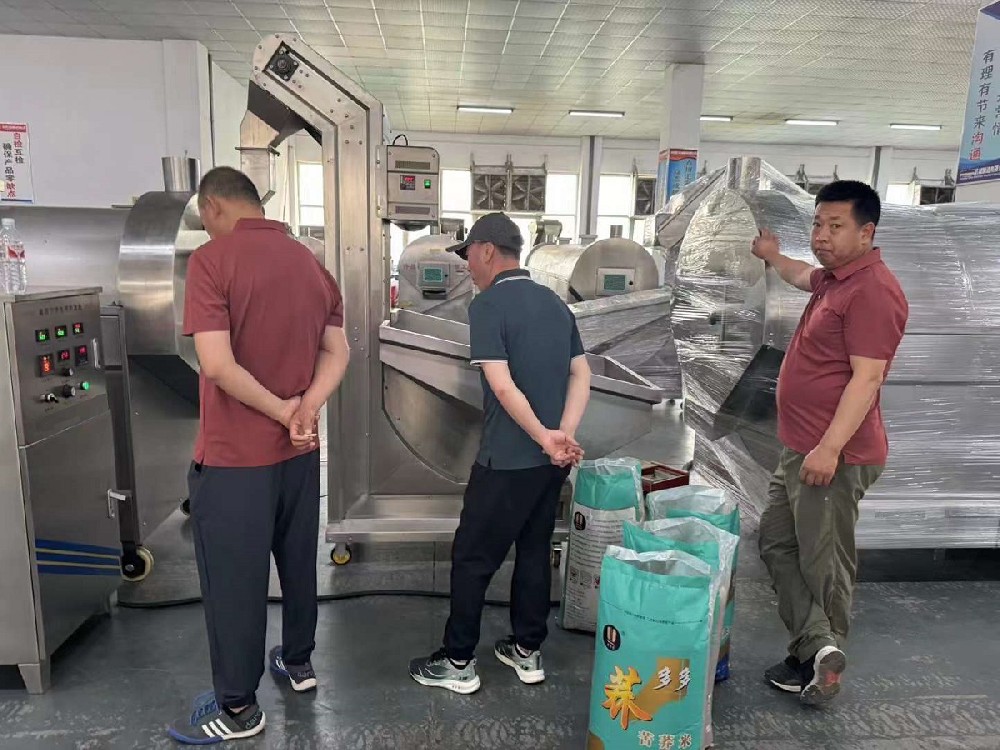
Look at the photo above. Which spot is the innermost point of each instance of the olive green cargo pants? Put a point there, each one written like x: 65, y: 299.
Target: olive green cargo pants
x: 807, y: 544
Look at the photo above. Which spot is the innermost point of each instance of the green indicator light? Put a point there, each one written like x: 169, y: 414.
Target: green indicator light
x: 427, y: 184
x: 85, y: 385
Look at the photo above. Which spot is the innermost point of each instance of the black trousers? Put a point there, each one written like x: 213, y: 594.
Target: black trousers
x: 502, y: 508
x: 240, y: 517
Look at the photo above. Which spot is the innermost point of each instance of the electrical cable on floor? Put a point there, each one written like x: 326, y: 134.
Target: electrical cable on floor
x: 167, y: 603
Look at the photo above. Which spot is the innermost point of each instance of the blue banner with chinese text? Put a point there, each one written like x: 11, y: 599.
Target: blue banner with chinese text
x: 979, y: 160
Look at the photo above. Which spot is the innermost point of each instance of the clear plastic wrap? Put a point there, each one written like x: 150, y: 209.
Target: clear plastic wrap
x: 634, y: 329
x: 670, y: 223
x: 939, y: 403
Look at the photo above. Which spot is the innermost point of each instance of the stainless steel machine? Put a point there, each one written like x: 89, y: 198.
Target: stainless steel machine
x: 603, y: 268
x: 59, y: 536
x: 404, y: 426
x: 433, y: 281
x: 138, y: 257
x: 734, y: 317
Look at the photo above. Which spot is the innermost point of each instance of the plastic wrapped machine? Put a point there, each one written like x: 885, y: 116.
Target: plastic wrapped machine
x: 939, y: 402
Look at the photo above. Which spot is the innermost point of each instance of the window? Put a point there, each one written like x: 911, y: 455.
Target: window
x: 456, y: 191
x: 310, y: 186
x: 619, y: 197
x: 456, y: 195
x: 398, y: 240
x: 900, y: 193
x: 561, y: 194
x: 615, y: 200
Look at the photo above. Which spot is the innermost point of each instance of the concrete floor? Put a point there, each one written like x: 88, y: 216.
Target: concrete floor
x: 922, y: 673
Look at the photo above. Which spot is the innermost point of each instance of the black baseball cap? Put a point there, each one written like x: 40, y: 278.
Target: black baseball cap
x: 496, y: 228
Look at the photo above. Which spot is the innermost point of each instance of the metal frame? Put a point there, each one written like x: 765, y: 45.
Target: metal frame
x: 404, y: 426
x: 350, y: 125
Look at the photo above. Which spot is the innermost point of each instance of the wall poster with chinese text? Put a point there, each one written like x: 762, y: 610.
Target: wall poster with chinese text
x: 979, y: 159
x: 15, y: 164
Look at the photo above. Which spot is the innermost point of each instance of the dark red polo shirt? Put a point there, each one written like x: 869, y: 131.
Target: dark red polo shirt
x: 275, y: 299
x: 856, y: 310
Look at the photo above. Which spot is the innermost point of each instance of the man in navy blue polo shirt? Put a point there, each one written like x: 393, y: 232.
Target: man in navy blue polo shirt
x: 536, y: 384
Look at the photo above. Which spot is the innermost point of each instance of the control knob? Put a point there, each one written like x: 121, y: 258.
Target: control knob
x: 48, y: 398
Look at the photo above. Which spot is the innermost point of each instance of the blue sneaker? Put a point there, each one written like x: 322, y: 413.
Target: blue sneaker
x: 209, y: 724
x: 302, y: 677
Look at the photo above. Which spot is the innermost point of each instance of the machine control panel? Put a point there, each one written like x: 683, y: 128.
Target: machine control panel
x: 433, y: 278
x: 59, y: 378
x: 413, y: 189
x: 612, y: 281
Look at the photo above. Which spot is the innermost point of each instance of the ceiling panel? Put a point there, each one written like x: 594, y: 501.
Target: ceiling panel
x: 865, y: 63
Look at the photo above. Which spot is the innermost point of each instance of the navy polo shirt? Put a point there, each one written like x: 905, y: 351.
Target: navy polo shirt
x: 530, y: 328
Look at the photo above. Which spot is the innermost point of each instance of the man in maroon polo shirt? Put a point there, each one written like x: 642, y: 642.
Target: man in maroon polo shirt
x: 267, y: 321
x: 830, y: 426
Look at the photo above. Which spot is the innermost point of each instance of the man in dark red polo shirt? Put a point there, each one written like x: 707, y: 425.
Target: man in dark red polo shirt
x: 830, y: 425
x: 267, y: 321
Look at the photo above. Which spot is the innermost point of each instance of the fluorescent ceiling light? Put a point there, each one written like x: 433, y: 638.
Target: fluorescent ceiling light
x: 485, y: 110
x: 594, y: 113
x: 716, y: 118
x: 904, y: 126
x: 830, y: 123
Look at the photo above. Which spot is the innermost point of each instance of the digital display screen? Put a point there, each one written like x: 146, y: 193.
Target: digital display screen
x: 61, y: 332
x: 433, y: 275
x: 45, y: 365
x: 82, y: 355
x: 42, y: 335
x: 78, y: 329
x: 408, y: 182
x: 427, y: 184
x: 64, y: 355
x: 615, y: 282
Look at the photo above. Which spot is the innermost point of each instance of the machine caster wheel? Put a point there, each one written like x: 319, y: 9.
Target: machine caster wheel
x: 340, y: 554
x: 688, y: 466
x: 556, y: 556
x: 186, y: 507
x: 137, y: 564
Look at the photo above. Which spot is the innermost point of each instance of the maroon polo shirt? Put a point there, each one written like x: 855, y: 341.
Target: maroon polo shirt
x: 856, y: 310
x: 275, y: 299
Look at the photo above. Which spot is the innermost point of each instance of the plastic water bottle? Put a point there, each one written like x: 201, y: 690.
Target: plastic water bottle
x: 15, y: 269
x: 6, y: 229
